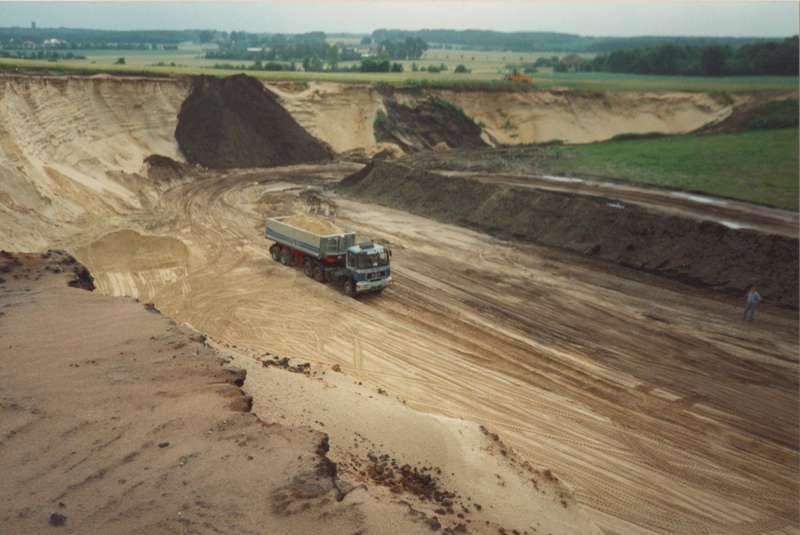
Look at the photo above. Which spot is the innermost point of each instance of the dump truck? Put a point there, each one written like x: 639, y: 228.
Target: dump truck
x: 329, y: 254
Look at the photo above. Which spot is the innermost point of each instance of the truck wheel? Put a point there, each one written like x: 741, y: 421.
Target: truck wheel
x: 349, y: 288
x: 319, y: 275
x: 308, y: 268
x: 275, y: 252
x: 286, y: 256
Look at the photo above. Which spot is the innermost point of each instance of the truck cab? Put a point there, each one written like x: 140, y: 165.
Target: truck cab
x: 368, y: 268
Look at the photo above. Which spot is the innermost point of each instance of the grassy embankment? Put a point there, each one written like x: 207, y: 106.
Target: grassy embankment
x: 759, y: 166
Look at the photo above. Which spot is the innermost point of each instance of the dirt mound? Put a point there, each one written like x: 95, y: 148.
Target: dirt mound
x: 699, y: 252
x: 163, y: 168
x: 763, y: 112
x: 429, y: 123
x: 379, y: 151
x: 237, y: 122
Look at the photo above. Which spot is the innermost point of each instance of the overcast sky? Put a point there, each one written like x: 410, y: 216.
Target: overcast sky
x: 617, y: 17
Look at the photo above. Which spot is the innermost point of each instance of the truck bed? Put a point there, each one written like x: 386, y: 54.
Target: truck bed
x: 296, y: 232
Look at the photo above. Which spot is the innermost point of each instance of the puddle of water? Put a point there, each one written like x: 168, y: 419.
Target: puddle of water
x: 698, y: 198
x: 734, y: 225
x: 562, y: 178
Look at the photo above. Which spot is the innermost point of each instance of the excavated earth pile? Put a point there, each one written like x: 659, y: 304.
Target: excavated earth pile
x: 163, y: 168
x: 704, y: 253
x: 237, y: 122
x: 427, y: 124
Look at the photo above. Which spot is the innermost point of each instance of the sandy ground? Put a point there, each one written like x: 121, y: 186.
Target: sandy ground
x: 651, y: 406
x: 117, y: 420
x: 650, y: 400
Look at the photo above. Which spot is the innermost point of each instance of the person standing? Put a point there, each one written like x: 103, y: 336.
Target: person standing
x: 751, y: 303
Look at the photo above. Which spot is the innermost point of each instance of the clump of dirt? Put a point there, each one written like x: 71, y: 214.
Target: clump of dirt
x: 237, y: 122
x: 284, y: 363
x: 385, y: 471
x: 429, y: 123
x: 702, y: 253
x: 164, y: 169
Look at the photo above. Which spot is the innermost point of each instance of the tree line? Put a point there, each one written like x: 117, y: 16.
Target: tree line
x: 765, y: 58
x: 88, y: 37
x: 548, y: 41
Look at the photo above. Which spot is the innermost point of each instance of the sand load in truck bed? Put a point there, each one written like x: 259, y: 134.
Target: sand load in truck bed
x: 316, y: 225
x: 237, y: 122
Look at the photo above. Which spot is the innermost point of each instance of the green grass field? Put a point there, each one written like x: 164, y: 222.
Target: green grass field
x: 759, y: 166
x: 488, y: 69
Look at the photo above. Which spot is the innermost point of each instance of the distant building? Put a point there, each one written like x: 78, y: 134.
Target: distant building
x: 255, y: 49
x: 53, y: 42
x: 572, y: 62
x: 33, y: 25
x: 368, y: 51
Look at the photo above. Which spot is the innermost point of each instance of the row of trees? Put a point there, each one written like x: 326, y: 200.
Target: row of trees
x: 310, y: 46
x: 768, y: 58
x: 97, y: 38
x: 50, y: 55
x: 409, y: 48
x: 548, y: 41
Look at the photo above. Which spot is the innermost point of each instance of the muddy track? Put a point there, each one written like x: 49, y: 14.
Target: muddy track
x: 652, y: 401
x: 695, y: 250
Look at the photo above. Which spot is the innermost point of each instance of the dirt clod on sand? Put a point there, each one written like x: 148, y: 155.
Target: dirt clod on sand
x: 237, y: 122
x: 163, y: 168
x: 429, y: 124
x: 57, y: 519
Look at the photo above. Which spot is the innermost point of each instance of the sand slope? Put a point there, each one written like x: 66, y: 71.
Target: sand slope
x: 116, y: 420
x: 343, y: 115
x: 61, y: 137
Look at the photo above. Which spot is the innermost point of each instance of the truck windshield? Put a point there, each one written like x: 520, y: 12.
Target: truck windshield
x: 370, y: 260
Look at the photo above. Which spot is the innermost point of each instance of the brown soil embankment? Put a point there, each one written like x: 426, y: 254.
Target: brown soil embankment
x: 698, y: 252
x: 237, y: 122
x: 428, y: 124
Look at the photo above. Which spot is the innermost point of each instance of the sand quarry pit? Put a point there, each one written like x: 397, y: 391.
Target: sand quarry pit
x: 497, y: 385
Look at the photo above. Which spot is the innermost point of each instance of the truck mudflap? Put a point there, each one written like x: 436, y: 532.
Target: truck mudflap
x: 372, y: 286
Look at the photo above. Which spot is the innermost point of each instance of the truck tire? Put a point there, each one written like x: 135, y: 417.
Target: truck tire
x: 286, y: 256
x: 308, y: 268
x: 349, y: 288
x: 275, y: 252
x: 319, y: 274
